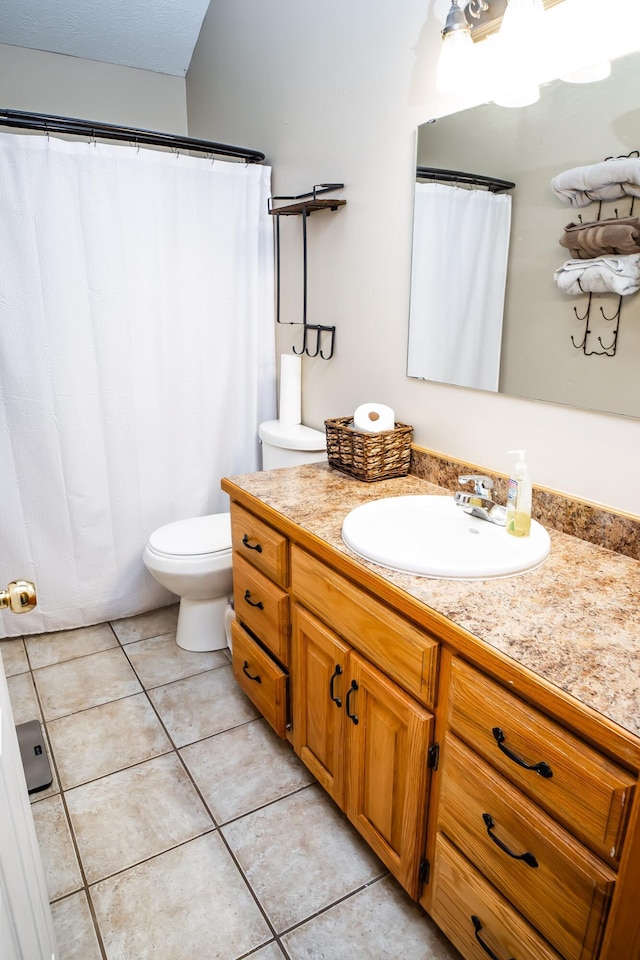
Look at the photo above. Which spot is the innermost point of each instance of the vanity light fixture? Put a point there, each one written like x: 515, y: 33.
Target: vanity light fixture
x: 515, y: 51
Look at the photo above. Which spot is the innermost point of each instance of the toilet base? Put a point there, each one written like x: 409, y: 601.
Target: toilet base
x: 201, y: 624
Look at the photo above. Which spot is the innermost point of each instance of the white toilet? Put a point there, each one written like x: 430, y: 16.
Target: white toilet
x: 192, y: 558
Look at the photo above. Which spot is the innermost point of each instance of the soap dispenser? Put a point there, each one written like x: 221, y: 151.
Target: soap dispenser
x: 518, y: 522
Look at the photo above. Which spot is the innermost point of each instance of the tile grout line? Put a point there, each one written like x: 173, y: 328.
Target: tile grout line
x: 72, y: 834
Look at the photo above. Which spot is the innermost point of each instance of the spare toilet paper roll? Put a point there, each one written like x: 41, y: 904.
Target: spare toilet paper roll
x: 290, y: 409
x: 373, y: 418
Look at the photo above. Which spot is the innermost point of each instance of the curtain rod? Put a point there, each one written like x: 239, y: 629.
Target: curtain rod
x: 106, y: 131
x: 493, y: 184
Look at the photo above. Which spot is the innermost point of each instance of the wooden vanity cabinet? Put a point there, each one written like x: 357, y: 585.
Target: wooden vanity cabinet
x: 365, y: 740
x: 518, y: 773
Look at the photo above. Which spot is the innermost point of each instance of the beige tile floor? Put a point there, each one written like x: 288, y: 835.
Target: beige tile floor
x: 178, y: 826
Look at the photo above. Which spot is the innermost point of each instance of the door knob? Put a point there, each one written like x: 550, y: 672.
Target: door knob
x: 20, y: 596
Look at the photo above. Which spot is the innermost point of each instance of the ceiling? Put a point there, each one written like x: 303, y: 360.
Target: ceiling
x: 157, y: 35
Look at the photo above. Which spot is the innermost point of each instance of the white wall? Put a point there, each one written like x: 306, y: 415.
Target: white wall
x: 69, y: 86
x: 334, y: 91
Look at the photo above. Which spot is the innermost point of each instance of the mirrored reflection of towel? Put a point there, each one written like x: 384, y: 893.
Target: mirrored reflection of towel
x: 602, y: 238
x: 619, y: 275
x: 608, y: 180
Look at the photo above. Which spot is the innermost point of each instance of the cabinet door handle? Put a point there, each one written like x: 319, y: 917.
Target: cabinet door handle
x: 253, y: 603
x: 527, y: 858
x: 477, y: 926
x: 352, y: 716
x: 251, y: 546
x: 245, y: 670
x: 542, y: 768
x: 336, y: 673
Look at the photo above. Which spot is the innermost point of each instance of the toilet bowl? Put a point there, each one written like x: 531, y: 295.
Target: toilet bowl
x: 192, y: 558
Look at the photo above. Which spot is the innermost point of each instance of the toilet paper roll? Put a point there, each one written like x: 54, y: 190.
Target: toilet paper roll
x: 290, y: 408
x: 373, y: 418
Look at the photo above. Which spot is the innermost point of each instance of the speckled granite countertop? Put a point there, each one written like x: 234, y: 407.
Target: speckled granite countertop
x: 575, y: 621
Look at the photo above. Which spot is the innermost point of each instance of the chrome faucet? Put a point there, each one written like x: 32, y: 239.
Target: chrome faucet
x: 480, y: 503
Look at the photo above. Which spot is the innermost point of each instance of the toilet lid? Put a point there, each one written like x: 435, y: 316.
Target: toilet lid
x: 198, y: 535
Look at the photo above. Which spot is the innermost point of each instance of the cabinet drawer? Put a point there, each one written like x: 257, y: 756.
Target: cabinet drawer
x: 263, y: 607
x: 261, y: 679
x: 471, y: 912
x: 401, y: 650
x: 555, y: 882
x: 260, y: 544
x: 588, y: 793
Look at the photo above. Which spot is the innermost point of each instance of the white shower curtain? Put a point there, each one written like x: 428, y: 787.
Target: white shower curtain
x: 458, y: 277
x: 137, y: 359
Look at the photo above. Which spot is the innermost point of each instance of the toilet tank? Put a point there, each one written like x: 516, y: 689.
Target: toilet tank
x: 290, y: 444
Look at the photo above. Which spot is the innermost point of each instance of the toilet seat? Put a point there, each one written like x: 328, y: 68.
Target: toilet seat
x: 195, y: 537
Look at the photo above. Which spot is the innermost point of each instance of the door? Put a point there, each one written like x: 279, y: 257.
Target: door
x: 26, y: 927
x: 388, y: 736
x: 320, y: 671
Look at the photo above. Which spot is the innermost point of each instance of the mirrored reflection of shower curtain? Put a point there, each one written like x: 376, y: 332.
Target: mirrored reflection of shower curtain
x: 458, y: 277
x: 137, y: 359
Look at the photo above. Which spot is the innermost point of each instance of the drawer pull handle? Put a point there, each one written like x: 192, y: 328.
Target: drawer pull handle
x: 250, y: 546
x: 253, y: 603
x: 477, y: 926
x: 542, y: 768
x: 352, y: 716
x: 245, y: 670
x: 336, y: 673
x: 527, y: 858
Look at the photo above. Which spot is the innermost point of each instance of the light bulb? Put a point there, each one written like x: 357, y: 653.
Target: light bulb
x: 519, y: 46
x: 455, y: 66
x: 597, y: 71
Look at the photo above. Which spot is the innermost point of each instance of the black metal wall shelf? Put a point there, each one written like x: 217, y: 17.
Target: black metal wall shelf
x: 303, y: 205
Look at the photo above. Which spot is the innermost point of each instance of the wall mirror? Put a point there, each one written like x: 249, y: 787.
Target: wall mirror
x: 540, y: 352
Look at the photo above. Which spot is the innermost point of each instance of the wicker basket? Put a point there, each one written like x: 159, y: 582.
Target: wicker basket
x: 368, y: 456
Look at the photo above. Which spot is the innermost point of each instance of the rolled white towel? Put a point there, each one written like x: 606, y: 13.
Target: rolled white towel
x: 619, y: 275
x: 608, y: 180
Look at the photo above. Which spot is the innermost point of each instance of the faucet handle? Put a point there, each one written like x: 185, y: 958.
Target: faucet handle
x: 481, y: 485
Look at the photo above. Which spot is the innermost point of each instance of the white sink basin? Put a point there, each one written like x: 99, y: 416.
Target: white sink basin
x: 432, y: 537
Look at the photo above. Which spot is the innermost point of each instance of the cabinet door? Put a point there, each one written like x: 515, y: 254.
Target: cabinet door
x: 388, y: 735
x: 319, y: 667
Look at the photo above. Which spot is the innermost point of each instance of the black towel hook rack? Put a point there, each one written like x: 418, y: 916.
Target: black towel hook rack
x: 585, y: 344
x: 303, y: 205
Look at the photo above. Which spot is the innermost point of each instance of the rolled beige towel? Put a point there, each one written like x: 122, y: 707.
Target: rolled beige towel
x: 619, y: 275
x: 602, y: 238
